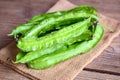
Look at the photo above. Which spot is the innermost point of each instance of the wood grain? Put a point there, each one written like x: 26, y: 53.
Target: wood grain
x: 8, y: 74
x: 15, y: 12
x: 87, y: 75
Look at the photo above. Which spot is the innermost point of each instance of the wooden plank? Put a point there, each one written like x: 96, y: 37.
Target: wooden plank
x: 11, y: 14
x: 8, y: 74
x: 87, y: 75
x: 109, y: 60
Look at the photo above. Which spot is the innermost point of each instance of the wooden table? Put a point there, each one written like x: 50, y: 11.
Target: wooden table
x: 14, y: 12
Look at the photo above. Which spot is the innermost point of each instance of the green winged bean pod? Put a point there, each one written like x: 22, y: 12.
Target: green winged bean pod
x: 58, y: 37
x: 35, y: 54
x: 62, y: 55
x: 83, y: 8
x: 55, y: 22
x: 20, y: 55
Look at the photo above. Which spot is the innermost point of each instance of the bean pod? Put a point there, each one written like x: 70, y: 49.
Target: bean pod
x: 62, y: 55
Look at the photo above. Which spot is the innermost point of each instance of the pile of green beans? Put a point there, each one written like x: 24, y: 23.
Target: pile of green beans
x: 51, y: 38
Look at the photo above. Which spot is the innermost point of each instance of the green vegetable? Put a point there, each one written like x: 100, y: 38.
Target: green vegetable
x: 84, y: 8
x: 20, y: 55
x: 35, y: 54
x: 62, y: 55
x: 58, y: 37
x: 55, y: 22
x: 48, y: 39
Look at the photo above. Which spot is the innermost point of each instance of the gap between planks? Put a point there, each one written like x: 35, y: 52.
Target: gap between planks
x: 102, y: 71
